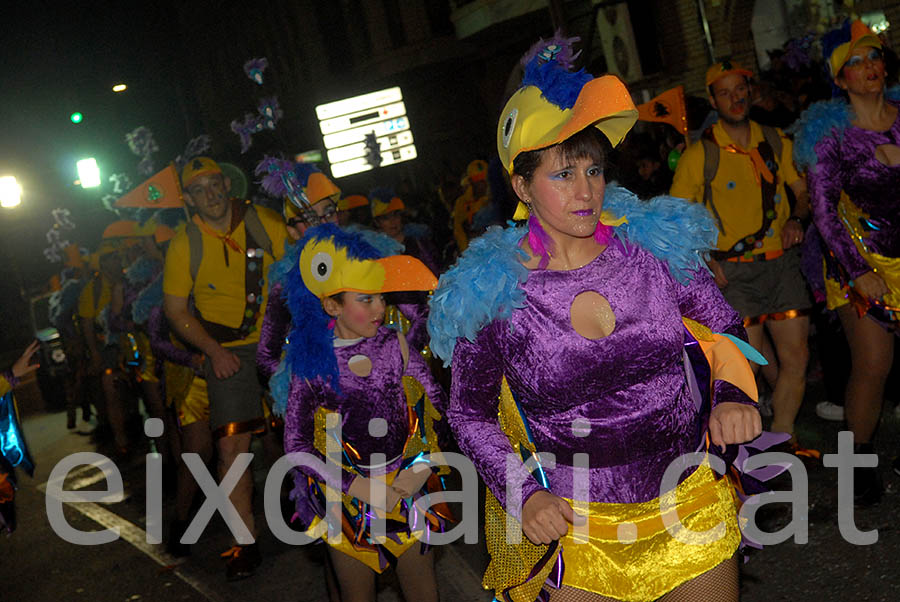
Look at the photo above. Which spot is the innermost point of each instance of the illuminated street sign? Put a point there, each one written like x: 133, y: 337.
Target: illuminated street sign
x: 345, y: 124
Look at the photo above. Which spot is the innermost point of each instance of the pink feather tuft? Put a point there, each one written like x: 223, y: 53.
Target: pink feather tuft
x: 603, y: 234
x: 540, y: 242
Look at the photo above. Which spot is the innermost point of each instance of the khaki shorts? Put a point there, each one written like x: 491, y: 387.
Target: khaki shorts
x: 766, y: 287
x: 236, y: 400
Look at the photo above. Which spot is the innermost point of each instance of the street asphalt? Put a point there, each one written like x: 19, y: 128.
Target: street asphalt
x: 38, y: 565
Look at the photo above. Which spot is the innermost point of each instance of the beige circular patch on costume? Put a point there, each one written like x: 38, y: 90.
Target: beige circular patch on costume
x: 591, y: 315
x: 360, y: 365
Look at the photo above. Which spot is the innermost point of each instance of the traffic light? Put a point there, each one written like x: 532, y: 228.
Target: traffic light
x: 76, y: 117
x: 373, y: 150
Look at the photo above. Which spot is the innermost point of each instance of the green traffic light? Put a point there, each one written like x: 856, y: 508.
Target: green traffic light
x: 76, y: 117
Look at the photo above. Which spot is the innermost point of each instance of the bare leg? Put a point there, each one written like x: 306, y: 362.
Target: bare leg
x: 115, y: 408
x: 415, y: 572
x: 196, y: 438
x: 769, y: 372
x: 242, y: 495
x: 871, y: 353
x: 719, y: 584
x: 153, y: 402
x: 790, y: 339
x: 355, y: 580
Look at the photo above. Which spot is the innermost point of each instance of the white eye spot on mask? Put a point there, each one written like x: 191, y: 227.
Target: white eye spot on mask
x: 321, y: 266
x: 509, y: 126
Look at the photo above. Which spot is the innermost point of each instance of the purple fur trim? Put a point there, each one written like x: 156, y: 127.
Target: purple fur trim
x: 564, y: 56
x: 540, y: 242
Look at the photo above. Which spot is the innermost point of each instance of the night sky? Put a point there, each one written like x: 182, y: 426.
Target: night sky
x: 59, y: 60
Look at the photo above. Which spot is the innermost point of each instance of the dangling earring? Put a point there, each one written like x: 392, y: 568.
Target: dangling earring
x: 332, y: 323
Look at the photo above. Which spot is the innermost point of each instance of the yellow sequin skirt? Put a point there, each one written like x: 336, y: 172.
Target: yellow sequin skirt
x: 631, y: 552
x: 836, y: 294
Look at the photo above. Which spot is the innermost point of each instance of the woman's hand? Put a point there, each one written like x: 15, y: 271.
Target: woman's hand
x: 23, y: 365
x: 871, y: 286
x: 731, y: 422
x: 411, y: 479
x: 546, y: 517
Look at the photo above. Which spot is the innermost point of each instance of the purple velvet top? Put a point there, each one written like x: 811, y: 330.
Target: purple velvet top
x: 629, y: 387
x: 379, y: 395
x: 161, y: 344
x: 276, y: 326
x: 848, y: 163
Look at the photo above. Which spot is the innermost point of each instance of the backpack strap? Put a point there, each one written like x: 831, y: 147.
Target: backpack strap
x: 710, y: 167
x: 195, y: 245
x: 255, y: 228
x: 772, y: 136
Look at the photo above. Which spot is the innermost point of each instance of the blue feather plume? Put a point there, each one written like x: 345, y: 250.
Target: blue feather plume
x: 142, y: 270
x: 280, y: 387
x: 386, y: 245
x: 63, y: 301
x: 557, y: 85
x: 674, y: 230
x: 151, y: 296
x: 483, y: 286
x: 278, y: 271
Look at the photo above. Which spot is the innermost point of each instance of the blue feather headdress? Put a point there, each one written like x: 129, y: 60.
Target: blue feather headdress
x: 548, y: 65
x: 151, y: 296
x: 310, y: 354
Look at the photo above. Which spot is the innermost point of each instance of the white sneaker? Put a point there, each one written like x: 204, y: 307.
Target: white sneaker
x: 829, y: 411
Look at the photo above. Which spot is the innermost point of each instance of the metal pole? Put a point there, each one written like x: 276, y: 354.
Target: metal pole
x: 558, y: 16
x: 704, y: 23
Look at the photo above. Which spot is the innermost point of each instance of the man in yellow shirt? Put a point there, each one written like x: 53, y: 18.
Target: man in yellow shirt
x: 221, y: 259
x: 739, y: 171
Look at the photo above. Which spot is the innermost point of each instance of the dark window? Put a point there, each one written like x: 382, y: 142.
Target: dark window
x: 394, y: 19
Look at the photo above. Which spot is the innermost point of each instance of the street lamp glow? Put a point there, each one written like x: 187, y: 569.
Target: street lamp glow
x: 10, y: 192
x: 120, y: 88
x: 88, y: 173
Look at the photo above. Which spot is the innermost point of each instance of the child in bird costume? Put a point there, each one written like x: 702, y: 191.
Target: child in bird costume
x: 349, y: 370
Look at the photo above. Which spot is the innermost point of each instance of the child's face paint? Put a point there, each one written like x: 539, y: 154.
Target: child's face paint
x: 360, y: 316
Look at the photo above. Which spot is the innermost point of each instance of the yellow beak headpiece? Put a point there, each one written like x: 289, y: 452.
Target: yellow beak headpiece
x: 542, y: 112
x: 327, y: 270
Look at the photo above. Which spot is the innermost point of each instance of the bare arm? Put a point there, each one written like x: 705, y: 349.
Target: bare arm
x: 188, y: 327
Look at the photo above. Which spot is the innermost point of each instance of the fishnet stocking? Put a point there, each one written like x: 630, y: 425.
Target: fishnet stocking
x: 719, y: 584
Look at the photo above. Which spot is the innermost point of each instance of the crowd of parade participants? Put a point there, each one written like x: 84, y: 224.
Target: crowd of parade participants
x: 618, y: 326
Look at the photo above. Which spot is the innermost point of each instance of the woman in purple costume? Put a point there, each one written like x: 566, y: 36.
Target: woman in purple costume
x: 345, y: 364
x: 586, y: 346
x: 851, y: 146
